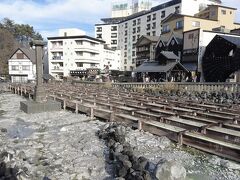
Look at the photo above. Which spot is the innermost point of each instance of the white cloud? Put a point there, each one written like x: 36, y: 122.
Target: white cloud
x: 48, y: 17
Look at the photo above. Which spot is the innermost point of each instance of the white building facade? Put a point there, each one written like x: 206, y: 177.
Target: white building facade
x: 22, y: 66
x: 74, y: 51
x: 132, y: 27
x: 123, y: 8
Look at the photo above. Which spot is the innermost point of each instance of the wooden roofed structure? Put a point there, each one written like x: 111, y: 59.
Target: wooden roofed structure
x: 221, y: 58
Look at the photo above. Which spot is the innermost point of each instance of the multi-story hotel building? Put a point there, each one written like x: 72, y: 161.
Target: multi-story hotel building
x: 131, y: 28
x: 72, y: 50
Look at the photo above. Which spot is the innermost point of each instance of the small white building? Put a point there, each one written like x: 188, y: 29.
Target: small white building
x: 22, y: 66
x: 73, y: 51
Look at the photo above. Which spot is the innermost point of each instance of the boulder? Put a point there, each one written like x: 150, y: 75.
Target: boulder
x: 170, y: 170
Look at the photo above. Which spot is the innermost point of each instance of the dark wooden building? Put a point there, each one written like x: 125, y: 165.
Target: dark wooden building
x: 146, y: 48
x: 221, y: 58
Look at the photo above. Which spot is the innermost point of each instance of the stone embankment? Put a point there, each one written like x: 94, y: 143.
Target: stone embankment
x: 130, y: 167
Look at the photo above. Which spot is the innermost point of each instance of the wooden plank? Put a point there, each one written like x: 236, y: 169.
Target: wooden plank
x: 165, y: 126
x: 162, y: 111
x: 208, y: 139
x: 186, y: 122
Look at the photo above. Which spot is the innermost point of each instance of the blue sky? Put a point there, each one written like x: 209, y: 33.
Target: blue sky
x: 47, y: 16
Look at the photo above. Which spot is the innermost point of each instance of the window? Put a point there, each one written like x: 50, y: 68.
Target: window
x: 125, y: 40
x: 99, y: 36
x: 79, y: 42
x: 113, y: 35
x: 190, y: 36
x: 163, y: 14
x: 126, y: 25
x: 14, y: 68
x: 196, y: 24
x: 165, y: 28
x: 134, y: 30
x: 133, y: 53
x: 25, y: 67
x: 65, y: 33
x: 138, y: 29
x: 148, y: 34
x: 154, y: 16
x: 154, y: 33
x: 223, y: 12
x: 92, y: 54
x: 125, y: 61
x: 177, y: 9
x: 20, y: 56
x: 148, y: 18
x: 125, y: 54
x: 134, y: 38
x: 148, y: 27
x: 154, y: 25
x: 79, y: 53
x: 133, y: 61
x: 125, y: 33
x: 213, y: 13
x: 113, y: 41
x: 79, y: 64
x: 114, y: 28
x: 99, y: 29
x: 92, y: 44
x: 139, y: 21
x: 125, y: 47
x: 179, y: 24
x: 92, y: 64
x: 134, y: 22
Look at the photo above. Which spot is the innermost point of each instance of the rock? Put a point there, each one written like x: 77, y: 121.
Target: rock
x: 122, y: 172
x: 127, y: 164
x: 119, y: 178
x: 143, y: 162
x: 230, y: 165
x: 22, y: 155
x: 3, y: 130
x: 63, y: 129
x: 215, y: 161
x: 170, y: 170
x: 119, y: 148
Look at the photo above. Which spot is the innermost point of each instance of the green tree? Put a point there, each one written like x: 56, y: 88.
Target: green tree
x: 13, y: 35
x: 23, y: 33
x: 7, y: 46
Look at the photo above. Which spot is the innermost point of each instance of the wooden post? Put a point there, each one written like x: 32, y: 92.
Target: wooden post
x: 139, y: 125
x: 91, y: 113
x: 64, y: 104
x: 203, y: 131
x: 76, y: 108
x: 112, y: 116
x: 180, y: 139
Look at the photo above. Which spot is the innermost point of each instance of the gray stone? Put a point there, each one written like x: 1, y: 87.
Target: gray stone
x: 31, y: 107
x: 170, y: 170
x: 3, y: 130
x: 230, y: 165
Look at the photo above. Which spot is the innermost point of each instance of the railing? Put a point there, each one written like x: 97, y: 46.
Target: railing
x: 184, y: 86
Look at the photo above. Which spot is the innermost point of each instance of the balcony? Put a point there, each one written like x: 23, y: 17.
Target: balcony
x: 57, y: 69
x: 56, y: 48
x: 57, y: 58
